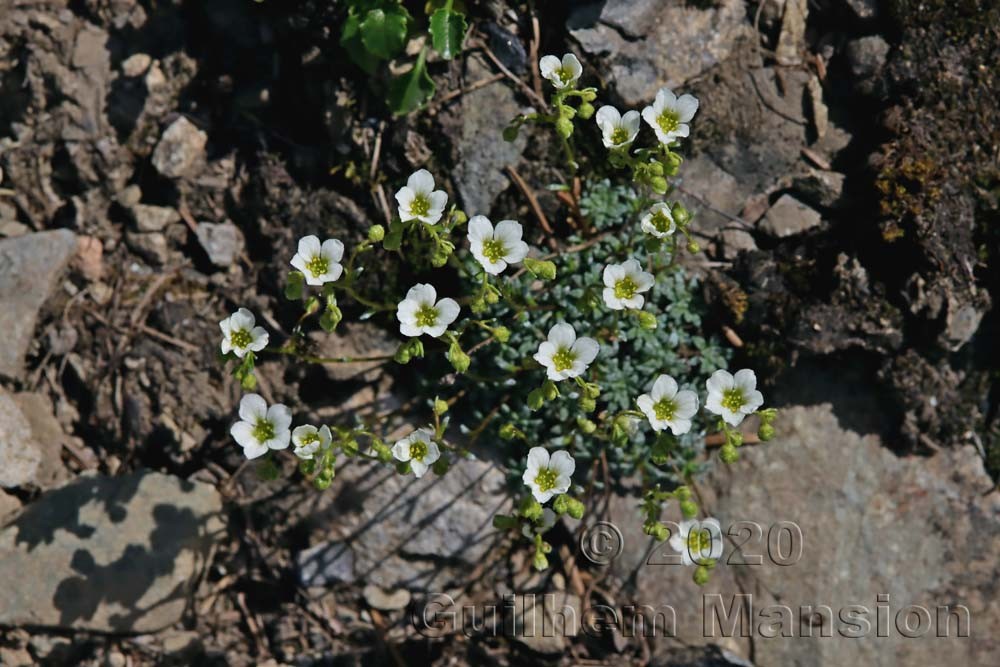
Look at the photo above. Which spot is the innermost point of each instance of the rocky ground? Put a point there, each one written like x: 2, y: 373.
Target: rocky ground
x: 159, y: 161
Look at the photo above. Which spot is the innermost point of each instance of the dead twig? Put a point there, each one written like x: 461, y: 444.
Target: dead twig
x: 535, y: 97
x: 535, y: 207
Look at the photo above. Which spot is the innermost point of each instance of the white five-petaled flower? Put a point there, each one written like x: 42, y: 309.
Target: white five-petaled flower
x: 496, y: 248
x: 418, y: 200
x: 669, y: 115
x: 617, y: 131
x: 665, y: 406
x: 562, y: 74
x: 564, y: 355
x: 546, y: 475
x: 698, y: 541
x: 548, y: 520
x: 419, y: 449
x: 320, y: 264
x: 240, y: 335
x: 308, y: 440
x: 624, y: 285
x: 733, y: 397
x: 658, y: 221
x: 421, y: 313
x: 262, y: 428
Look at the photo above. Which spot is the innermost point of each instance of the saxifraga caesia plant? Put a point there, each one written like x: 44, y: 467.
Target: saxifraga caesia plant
x: 510, y: 340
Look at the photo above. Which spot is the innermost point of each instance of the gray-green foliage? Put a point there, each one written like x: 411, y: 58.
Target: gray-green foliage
x: 631, y: 357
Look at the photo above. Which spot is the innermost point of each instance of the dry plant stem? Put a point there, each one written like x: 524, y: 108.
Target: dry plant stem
x: 537, y: 99
x: 535, y: 207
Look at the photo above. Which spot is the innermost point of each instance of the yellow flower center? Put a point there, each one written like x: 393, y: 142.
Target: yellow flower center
x: 732, y: 399
x: 427, y: 316
x: 661, y: 222
x: 619, y: 135
x: 665, y: 409
x: 546, y: 479
x: 418, y: 450
x: 317, y: 266
x: 308, y: 439
x: 263, y: 430
x: 669, y: 121
x: 563, y: 359
x: 420, y: 205
x: 625, y: 288
x: 564, y: 75
x: 699, y: 541
x: 240, y: 338
x: 494, y: 250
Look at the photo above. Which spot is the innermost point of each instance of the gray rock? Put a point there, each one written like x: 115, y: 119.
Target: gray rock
x: 482, y: 155
x: 20, y: 456
x: 792, y: 38
x: 736, y: 241
x: 788, y: 217
x: 326, y: 563
x: 153, y: 218
x: 544, y: 623
x: 709, y: 192
x: 9, y: 506
x: 647, y: 44
x: 961, y: 323
x: 108, y: 554
x: 865, y: 10
x: 866, y: 56
x: 46, y: 434
x: 354, y: 339
x: 31, y: 267
x: 152, y: 247
x: 180, y: 150
x: 222, y: 242
x: 922, y: 530
x: 386, y: 600
x: 819, y: 188
x: 399, y: 528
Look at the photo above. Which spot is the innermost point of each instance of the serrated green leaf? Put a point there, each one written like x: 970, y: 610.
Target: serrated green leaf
x: 383, y: 31
x: 350, y: 41
x: 447, y: 32
x: 411, y: 91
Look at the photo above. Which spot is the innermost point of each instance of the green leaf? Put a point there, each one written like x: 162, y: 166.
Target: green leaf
x: 411, y: 90
x: 294, y: 286
x: 383, y: 31
x: 350, y: 40
x: 447, y: 32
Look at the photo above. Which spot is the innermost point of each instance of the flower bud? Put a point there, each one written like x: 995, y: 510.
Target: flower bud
x: 765, y: 432
x: 588, y: 404
x: 561, y: 504
x: 248, y: 381
x: 376, y: 233
x: 647, y: 320
x: 728, y: 454
x: 566, y: 111
x: 510, y: 133
x: 701, y: 575
x: 693, y: 247
x: 682, y: 493
x: 535, y: 399
x: 530, y: 509
x: 441, y: 466
x: 403, y: 354
x: 735, y: 438
x: 680, y: 213
x: 502, y: 334
x: 588, y: 94
x: 549, y: 390
x: 540, y: 561
x: 575, y: 508
x: 689, y: 509
x: 586, y: 110
x: 659, y: 184
x: 477, y: 306
x: 491, y: 297
x: 458, y: 358
x: 440, y: 407
x: 458, y: 217
x: 307, y: 466
x: 330, y: 318
x: 656, y: 530
x: 564, y: 127
x: 586, y: 425
x: 540, y: 269
x: 508, y: 431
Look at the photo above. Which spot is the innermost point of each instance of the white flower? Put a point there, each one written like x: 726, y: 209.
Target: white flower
x: 319, y: 263
x: 496, y: 248
x: 698, y: 541
x: 239, y: 335
x: 421, y: 313
x: 562, y: 74
x: 624, y: 285
x: 617, y: 131
x: 548, y: 476
x: 262, y: 428
x: 658, y: 221
x: 564, y: 355
x: 418, y: 200
x: 733, y: 397
x: 664, y: 406
x: 548, y: 520
x: 308, y: 440
x: 669, y: 115
x: 419, y: 449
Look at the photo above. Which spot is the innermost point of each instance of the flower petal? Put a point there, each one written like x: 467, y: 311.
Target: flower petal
x: 538, y: 458
x: 608, y: 117
x: 572, y: 65
x: 423, y: 294
x: 687, y: 107
x: 562, y: 335
x: 309, y: 246
x: 280, y: 416
x: 687, y: 404
x: 253, y: 407
x: 447, y: 311
x: 612, y: 274
x: 562, y: 462
x: 480, y: 229
x: 508, y: 232
x: 548, y: 66
x: 242, y: 433
x: 255, y: 450
x: 746, y: 380
x: 719, y: 382
x: 421, y: 181
x: 586, y: 349
x: 332, y: 250
x: 664, y: 387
